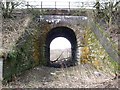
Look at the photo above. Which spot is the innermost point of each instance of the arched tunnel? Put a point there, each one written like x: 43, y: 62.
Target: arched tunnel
x: 66, y: 33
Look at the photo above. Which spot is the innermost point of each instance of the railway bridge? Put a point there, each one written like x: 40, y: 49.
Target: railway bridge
x: 32, y: 47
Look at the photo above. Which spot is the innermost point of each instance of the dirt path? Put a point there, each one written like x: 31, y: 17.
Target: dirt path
x: 72, y: 77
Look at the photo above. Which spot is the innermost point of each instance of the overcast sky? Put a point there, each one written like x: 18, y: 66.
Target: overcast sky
x: 63, y: 0
x: 60, y: 43
x: 65, y: 3
x: 59, y: 3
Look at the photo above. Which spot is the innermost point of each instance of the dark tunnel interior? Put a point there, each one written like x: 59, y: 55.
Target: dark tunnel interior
x: 66, y: 33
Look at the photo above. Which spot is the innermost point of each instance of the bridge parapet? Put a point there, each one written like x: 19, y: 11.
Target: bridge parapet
x: 57, y: 19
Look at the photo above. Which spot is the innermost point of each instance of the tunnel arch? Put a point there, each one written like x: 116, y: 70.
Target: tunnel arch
x: 65, y: 32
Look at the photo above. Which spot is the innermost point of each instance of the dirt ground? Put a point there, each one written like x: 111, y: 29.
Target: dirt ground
x: 82, y: 76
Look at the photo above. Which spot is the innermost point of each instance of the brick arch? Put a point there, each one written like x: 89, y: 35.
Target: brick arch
x: 65, y: 32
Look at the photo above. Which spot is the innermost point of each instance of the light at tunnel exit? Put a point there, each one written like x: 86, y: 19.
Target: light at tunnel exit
x: 60, y: 43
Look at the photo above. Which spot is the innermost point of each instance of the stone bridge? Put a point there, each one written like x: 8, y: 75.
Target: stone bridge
x: 69, y: 27
x: 32, y: 48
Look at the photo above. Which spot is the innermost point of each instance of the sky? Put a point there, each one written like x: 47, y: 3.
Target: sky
x: 60, y: 43
x: 59, y: 3
x: 65, y: 3
x: 62, y: 0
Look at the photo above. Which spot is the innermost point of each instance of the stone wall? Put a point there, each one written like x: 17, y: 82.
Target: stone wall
x: 28, y: 50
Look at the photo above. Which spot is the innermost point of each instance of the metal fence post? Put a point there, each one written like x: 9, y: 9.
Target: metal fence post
x: 55, y: 4
x: 69, y: 6
x: 41, y: 6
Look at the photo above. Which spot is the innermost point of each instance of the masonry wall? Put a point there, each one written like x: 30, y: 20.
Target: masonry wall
x: 26, y: 53
x: 29, y: 49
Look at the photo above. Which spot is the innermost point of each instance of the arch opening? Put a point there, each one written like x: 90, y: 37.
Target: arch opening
x: 69, y: 35
x: 60, y: 50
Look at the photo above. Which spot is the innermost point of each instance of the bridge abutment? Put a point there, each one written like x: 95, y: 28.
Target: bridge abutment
x: 33, y: 48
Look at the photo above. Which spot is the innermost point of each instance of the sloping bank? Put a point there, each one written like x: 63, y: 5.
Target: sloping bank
x: 22, y: 40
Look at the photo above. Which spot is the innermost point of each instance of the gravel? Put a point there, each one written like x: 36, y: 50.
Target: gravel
x: 81, y: 76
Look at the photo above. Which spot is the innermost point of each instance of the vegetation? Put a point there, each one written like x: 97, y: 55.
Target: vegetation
x: 107, y: 16
x: 8, y: 7
x: 106, y: 11
x: 93, y: 53
x: 29, y: 54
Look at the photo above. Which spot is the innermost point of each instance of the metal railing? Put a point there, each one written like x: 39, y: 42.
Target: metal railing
x: 57, y: 5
